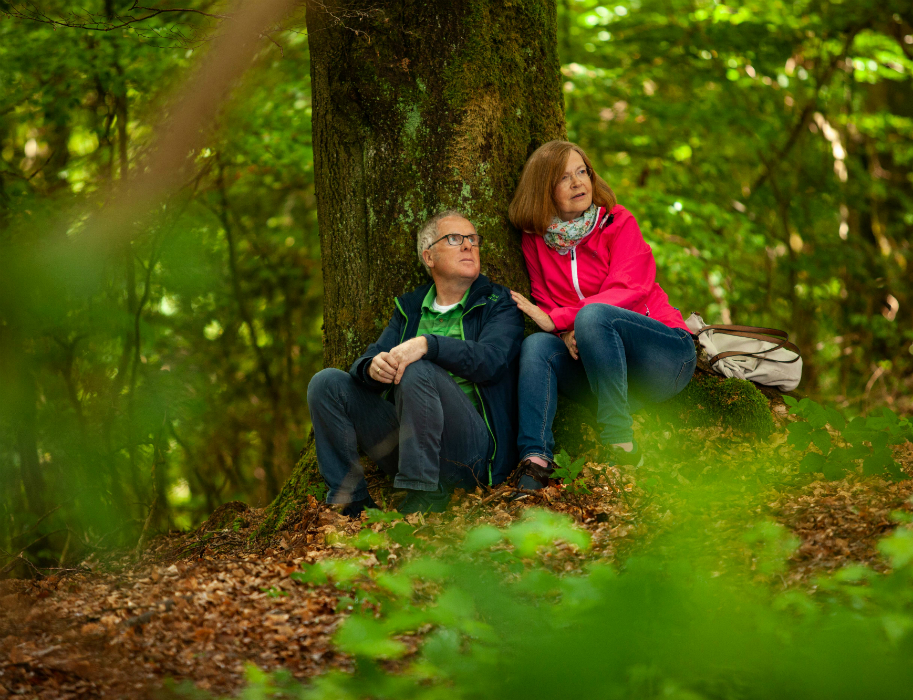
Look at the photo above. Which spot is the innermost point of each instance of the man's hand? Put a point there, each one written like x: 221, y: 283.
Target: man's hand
x: 541, y: 319
x: 407, y: 353
x: 383, y: 368
x: 571, y: 341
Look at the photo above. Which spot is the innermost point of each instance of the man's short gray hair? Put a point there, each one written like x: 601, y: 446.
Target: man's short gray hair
x: 430, y: 231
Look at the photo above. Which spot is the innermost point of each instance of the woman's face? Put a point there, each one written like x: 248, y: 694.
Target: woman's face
x: 573, y: 194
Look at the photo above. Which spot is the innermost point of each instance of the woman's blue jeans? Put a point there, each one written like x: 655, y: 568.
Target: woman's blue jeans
x: 627, y: 360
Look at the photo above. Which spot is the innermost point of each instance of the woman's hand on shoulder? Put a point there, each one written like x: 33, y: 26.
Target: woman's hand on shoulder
x: 540, y: 318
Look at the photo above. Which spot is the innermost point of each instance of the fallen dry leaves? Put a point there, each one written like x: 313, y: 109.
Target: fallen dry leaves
x: 200, y: 606
x: 840, y: 522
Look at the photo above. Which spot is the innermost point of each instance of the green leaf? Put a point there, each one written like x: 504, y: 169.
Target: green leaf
x: 857, y: 452
x: 375, y: 515
x: 311, y: 574
x: 401, y: 533
x: 429, y: 569
x: 835, y: 419
x: 822, y: 440
x: 852, y: 574
x: 480, y: 538
x: 896, y: 626
x: 834, y: 470
x: 816, y: 415
x: 898, y: 547
x: 340, y: 570
x: 538, y: 582
x: 452, y: 608
x: 799, y: 435
x: 880, y: 441
x: 367, y: 637
x: 398, y: 584
x: 368, y: 539
x: 541, y: 528
x: 812, y: 463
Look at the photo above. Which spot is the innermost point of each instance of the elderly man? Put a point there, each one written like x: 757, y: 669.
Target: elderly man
x: 433, y: 401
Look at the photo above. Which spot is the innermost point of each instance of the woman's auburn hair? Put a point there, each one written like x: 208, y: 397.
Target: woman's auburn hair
x: 533, y: 206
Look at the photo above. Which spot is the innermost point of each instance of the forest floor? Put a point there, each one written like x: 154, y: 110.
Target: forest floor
x: 200, y: 607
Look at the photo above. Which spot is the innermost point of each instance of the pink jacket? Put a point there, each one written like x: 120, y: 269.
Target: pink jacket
x: 611, y: 265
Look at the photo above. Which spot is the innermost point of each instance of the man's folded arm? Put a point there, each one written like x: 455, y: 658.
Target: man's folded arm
x: 480, y: 361
x: 386, y: 342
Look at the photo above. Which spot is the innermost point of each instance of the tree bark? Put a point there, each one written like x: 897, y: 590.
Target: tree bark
x: 417, y: 107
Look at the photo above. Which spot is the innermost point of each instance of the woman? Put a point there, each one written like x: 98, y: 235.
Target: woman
x: 610, y: 332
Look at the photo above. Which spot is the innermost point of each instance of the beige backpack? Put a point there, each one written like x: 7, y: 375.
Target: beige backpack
x: 762, y: 355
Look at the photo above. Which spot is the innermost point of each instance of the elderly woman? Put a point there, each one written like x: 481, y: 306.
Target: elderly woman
x: 610, y: 333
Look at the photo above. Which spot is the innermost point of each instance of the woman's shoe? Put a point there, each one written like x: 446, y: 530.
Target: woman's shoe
x: 530, y: 476
x: 614, y: 456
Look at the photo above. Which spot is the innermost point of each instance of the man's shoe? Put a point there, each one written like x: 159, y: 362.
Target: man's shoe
x: 614, y: 456
x: 425, y: 501
x: 530, y: 476
x: 355, y: 508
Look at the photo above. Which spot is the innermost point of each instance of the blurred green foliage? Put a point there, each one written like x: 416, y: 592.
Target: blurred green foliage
x: 701, y: 609
x: 765, y: 148
x: 170, y: 377
x: 499, y: 618
x: 767, y: 151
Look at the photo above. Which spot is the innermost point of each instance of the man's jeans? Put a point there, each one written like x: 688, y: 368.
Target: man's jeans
x: 431, y: 433
x: 627, y: 360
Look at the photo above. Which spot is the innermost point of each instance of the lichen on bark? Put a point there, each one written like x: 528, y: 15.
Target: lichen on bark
x: 418, y: 107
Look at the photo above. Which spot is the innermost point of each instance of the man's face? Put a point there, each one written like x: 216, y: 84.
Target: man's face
x: 451, y: 262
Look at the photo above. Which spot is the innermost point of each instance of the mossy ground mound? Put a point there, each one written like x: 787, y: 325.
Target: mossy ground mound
x: 709, y: 400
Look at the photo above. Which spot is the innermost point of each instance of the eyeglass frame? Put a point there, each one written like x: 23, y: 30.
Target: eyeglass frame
x: 576, y: 176
x: 455, y: 245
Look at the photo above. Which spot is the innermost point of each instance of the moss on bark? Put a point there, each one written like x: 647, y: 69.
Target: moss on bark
x: 418, y: 107
x: 305, y: 481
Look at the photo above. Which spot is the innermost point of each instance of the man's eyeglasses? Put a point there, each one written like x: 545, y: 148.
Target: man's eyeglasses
x: 456, y: 239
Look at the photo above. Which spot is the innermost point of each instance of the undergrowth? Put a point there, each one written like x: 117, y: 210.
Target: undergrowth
x: 698, y: 611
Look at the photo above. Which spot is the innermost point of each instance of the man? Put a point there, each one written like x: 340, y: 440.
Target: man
x: 433, y: 400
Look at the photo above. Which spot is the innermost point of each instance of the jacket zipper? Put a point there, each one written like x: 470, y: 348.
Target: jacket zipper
x: 403, y: 335
x: 482, y: 402
x: 574, y: 273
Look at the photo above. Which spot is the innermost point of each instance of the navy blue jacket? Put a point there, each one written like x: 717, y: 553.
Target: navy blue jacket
x: 489, y: 357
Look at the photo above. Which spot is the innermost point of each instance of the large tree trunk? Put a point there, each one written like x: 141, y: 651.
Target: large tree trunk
x: 418, y: 107
x: 421, y: 106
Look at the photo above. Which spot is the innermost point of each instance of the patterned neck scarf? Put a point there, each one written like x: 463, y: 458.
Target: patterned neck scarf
x: 563, y: 236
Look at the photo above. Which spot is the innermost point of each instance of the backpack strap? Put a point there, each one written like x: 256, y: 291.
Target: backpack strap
x: 783, y: 344
x: 746, y: 329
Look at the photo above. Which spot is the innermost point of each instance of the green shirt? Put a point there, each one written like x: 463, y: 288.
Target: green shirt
x: 448, y: 325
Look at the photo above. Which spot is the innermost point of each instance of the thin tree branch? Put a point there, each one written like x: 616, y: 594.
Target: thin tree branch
x: 807, y: 111
x: 98, y: 22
